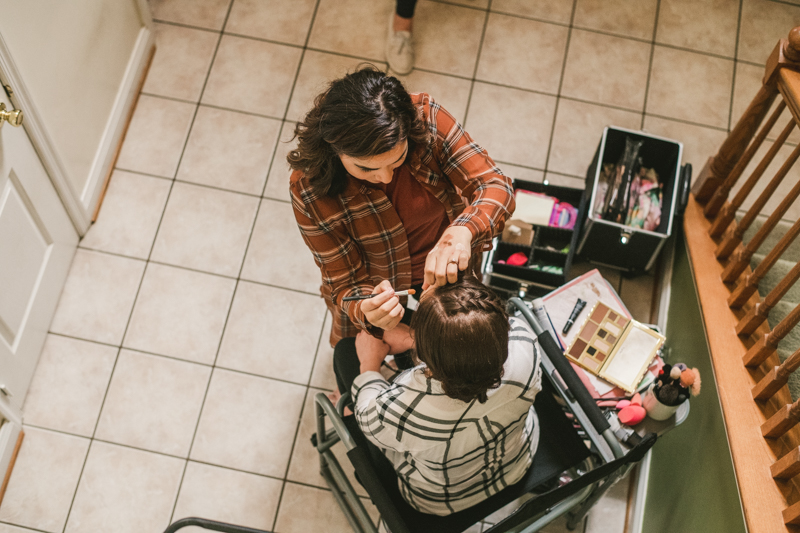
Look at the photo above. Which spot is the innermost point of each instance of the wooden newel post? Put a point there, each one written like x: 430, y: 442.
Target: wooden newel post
x: 717, y: 168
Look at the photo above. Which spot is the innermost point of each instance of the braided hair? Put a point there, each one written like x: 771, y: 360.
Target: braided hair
x: 461, y: 334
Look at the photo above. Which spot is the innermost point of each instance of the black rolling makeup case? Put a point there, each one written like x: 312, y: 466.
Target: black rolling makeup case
x: 615, y: 244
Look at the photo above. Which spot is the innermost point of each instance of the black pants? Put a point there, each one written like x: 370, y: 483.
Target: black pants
x: 405, y: 8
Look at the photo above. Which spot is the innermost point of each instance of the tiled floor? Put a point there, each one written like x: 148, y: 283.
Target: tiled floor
x: 179, y: 374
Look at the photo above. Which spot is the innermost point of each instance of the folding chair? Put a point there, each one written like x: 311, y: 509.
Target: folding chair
x: 562, y: 402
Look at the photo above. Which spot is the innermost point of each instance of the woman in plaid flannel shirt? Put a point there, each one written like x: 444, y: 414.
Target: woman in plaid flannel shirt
x: 389, y: 192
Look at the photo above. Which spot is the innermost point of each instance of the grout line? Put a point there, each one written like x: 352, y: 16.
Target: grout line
x: 189, y: 269
x: 650, y: 64
x: 560, y: 85
x: 211, y: 373
x: 218, y: 188
x: 735, y: 64
x: 141, y: 282
x: 24, y: 528
x: 272, y: 162
x: 477, y: 63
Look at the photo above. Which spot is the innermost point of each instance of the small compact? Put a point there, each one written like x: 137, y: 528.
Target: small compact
x: 614, y: 347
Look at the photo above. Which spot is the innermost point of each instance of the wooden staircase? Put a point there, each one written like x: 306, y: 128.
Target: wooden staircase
x: 730, y: 225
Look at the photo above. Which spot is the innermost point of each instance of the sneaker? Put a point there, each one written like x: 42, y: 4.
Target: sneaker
x: 399, y: 51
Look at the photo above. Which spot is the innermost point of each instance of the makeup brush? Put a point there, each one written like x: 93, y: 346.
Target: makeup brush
x: 368, y: 296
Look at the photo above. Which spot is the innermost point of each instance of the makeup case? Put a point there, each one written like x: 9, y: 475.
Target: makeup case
x: 615, y: 244
x: 549, y: 256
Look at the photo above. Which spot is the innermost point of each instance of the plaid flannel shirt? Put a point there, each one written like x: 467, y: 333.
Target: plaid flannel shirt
x: 357, y: 238
x: 448, y: 454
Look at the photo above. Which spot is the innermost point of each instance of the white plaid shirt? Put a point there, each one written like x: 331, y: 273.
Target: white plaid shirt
x: 448, y: 454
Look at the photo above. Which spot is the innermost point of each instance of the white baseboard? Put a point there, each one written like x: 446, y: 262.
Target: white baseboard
x: 118, y: 119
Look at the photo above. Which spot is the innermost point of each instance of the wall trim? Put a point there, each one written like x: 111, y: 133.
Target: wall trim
x: 118, y: 121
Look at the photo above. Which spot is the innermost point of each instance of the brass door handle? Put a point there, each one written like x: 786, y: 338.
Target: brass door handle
x: 13, y: 117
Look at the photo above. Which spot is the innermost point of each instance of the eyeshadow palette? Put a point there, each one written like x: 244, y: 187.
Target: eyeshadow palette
x: 614, y: 347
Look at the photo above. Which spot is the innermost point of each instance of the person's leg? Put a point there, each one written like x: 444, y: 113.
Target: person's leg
x: 346, y: 365
x: 404, y: 15
x: 399, y: 50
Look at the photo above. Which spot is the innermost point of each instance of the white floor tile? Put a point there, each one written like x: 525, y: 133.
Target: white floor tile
x: 125, y: 491
x: 69, y: 385
x: 44, y: 480
x: 277, y: 254
x: 306, y: 509
x: 205, y: 229
x: 180, y: 313
x: 97, y: 299
x: 153, y: 403
x: 272, y: 332
x: 227, y: 496
x: 129, y: 216
x: 248, y: 423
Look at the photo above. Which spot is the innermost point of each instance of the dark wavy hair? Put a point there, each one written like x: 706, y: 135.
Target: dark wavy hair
x: 363, y: 114
x: 461, y: 334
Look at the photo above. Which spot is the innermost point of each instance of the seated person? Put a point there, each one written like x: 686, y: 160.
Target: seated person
x: 458, y: 427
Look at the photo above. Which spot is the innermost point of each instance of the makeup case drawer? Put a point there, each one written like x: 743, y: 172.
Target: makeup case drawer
x: 549, y: 257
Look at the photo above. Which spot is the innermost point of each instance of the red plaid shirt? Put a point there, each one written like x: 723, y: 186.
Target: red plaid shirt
x: 357, y: 238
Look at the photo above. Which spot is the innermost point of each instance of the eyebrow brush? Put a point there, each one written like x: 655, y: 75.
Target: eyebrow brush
x: 368, y: 296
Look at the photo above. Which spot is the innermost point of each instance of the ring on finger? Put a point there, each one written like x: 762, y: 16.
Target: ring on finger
x: 453, y: 260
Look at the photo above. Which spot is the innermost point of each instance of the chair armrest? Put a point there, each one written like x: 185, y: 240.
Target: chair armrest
x: 211, y: 525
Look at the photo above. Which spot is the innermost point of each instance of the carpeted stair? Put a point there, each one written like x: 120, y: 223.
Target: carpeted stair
x: 792, y: 255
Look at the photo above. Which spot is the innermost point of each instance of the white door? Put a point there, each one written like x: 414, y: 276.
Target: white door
x: 37, y: 242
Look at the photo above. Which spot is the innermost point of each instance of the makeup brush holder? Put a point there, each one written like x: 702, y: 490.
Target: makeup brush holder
x: 655, y: 409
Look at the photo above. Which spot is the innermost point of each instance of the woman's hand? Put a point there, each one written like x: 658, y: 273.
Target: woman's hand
x: 399, y: 339
x: 450, y: 255
x: 371, y: 351
x: 384, y: 310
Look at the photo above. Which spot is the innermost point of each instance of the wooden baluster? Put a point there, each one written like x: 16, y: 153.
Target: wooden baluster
x: 787, y: 466
x: 720, y: 165
x: 782, y: 421
x: 776, y: 378
x: 750, y: 284
x: 721, y: 195
x: 768, y: 344
x: 728, y: 212
x: 742, y: 258
x: 759, y: 313
x: 734, y: 236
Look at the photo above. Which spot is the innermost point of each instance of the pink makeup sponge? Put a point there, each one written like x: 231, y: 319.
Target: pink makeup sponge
x: 632, y: 415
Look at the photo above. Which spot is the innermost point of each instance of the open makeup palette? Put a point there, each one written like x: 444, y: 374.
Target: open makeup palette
x: 614, y: 347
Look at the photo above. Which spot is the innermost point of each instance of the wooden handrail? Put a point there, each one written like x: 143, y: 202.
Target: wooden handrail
x: 746, y: 289
x: 754, y: 394
x: 762, y: 499
x: 721, y: 195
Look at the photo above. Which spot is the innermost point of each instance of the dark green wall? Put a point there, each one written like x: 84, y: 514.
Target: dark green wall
x: 692, y: 487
